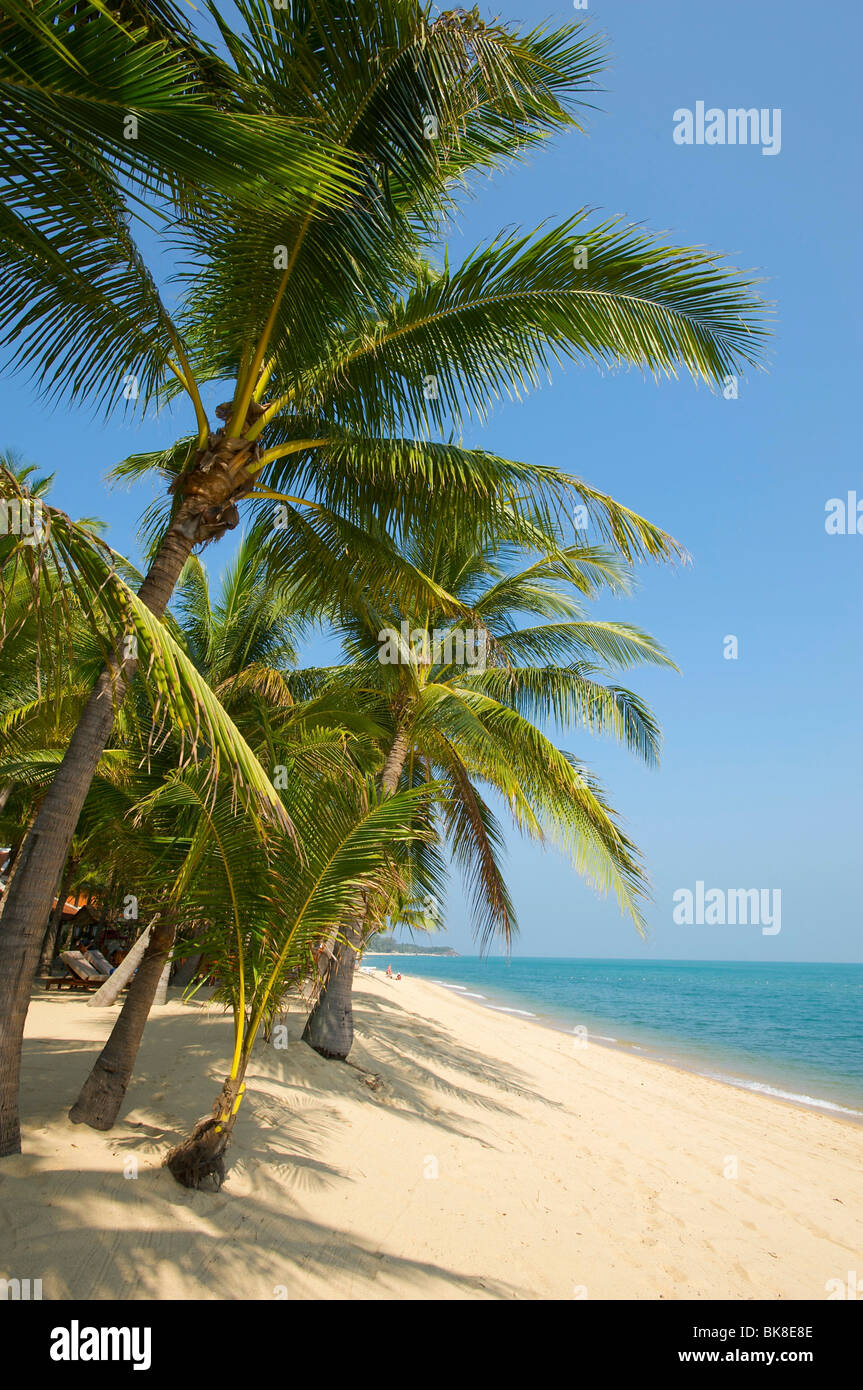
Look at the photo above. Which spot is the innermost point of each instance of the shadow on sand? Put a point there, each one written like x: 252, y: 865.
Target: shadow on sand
x: 245, y: 1242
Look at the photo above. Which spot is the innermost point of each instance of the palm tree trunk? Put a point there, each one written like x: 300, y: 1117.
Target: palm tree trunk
x: 396, y: 758
x: 13, y: 862
x: 200, y: 1158
x: 27, y: 902
x: 186, y: 970
x: 330, y: 1026
x: 161, y: 995
x: 105, y: 1088
x: 110, y: 991
x: 50, y: 941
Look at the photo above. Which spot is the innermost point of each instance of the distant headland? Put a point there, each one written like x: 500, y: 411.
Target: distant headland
x: 383, y: 945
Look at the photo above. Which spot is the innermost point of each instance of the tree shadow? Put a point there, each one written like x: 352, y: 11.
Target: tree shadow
x: 432, y: 1058
x: 224, y: 1248
x: 246, y: 1240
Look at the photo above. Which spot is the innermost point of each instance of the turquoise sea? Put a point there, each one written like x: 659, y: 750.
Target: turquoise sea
x: 788, y: 1029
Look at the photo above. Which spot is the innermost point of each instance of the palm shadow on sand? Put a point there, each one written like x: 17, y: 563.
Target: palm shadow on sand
x: 250, y: 1243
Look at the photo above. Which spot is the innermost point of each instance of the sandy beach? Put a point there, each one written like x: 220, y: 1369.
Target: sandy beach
x: 464, y: 1154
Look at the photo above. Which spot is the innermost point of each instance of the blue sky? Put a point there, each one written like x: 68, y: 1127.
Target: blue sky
x: 760, y: 784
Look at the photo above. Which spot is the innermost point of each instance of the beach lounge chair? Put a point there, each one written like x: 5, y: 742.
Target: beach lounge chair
x: 82, y: 974
x: 102, y: 965
x: 68, y: 981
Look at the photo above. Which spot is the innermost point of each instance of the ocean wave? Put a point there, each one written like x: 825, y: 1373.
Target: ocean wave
x: 797, y: 1097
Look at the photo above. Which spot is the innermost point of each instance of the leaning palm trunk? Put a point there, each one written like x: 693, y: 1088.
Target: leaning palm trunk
x: 105, y: 1088
x: 112, y: 988
x: 271, y: 906
x: 201, y: 1158
x: 49, y: 943
x: 13, y: 863
x: 330, y: 1026
x: 161, y: 995
x: 207, y: 511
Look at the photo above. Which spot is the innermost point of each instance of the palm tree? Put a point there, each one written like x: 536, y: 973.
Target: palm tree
x: 62, y: 598
x: 46, y: 672
x: 244, y: 642
x: 266, y: 904
x: 471, y: 723
x: 324, y: 323
x: 228, y: 876
x: 239, y: 644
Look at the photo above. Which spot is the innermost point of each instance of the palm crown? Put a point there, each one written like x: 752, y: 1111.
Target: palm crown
x: 470, y: 723
x: 326, y: 323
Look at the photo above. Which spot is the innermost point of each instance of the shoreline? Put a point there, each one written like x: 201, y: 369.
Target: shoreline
x: 683, y: 1064
x: 716, y: 1070
x: 461, y: 1155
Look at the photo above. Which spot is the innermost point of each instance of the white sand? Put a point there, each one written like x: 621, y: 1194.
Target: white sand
x: 561, y: 1171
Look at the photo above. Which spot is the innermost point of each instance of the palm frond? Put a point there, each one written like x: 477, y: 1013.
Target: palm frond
x: 495, y: 327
